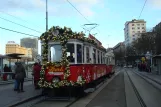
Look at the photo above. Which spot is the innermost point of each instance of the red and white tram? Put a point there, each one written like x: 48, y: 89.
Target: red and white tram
x: 71, y: 60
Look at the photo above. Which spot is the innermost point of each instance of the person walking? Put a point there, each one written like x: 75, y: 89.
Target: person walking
x: 36, y: 73
x: 14, y: 71
x: 20, y: 74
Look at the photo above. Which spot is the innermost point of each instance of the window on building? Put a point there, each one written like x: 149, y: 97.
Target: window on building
x: 70, y: 53
x: 133, y: 38
x: 133, y: 28
x: 79, y: 53
x: 138, y: 24
x: 133, y: 35
x: 143, y: 31
x: 143, y: 24
x: 132, y: 24
x: 138, y: 31
x: 138, y: 27
x: 133, y: 31
x: 87, y: 55
x: 142, y: 27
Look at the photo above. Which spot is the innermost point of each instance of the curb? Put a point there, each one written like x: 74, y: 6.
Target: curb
x: 25, y: 100
x: 11, y: 82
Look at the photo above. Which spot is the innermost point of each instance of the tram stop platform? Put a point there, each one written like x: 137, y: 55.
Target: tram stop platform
x: 9, y: 97
x: 152, y: 76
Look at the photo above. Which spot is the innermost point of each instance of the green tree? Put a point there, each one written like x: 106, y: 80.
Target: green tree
x: 146, y: 42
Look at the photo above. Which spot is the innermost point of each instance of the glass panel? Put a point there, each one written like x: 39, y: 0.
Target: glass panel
x: 79, y: 53
x: 56, y: 53
x: 70, y: 52
x: 83, y: 54
x: 98, y: 57
x: 94, y: 56
x: 87, y: 55
x: 101, y: 57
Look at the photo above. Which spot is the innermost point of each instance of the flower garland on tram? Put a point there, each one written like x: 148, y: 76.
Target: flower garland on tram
x: 64, y: 35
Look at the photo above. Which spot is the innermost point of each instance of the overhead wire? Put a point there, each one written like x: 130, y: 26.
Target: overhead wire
x: 142, y: 9
x: 19, y: 19
x: 17, y: 32
x: 80, y: 12
x: 20, y: 25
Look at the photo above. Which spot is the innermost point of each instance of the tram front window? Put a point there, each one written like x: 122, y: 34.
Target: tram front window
x: 56, y: 53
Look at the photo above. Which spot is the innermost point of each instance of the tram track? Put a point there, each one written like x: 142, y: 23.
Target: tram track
x: 42, y: 100
x: 141, y: 101
x: 152, y: 82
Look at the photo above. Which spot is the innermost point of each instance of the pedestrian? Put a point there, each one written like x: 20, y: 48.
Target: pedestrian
x: 36, y: 73
x: 14, y: 73
x: 6, y: 68
x: 20, y: 74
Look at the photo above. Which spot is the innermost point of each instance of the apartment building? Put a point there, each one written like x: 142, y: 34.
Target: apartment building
x: 133, y: 30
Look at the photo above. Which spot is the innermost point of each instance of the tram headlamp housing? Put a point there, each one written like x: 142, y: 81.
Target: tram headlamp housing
x: 56, y: 79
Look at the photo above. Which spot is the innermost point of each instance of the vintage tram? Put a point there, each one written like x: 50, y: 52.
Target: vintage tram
x: 71, y: 60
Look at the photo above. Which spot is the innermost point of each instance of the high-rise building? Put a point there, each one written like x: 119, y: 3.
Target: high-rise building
x: 133, y: 29
x: 30, y: 43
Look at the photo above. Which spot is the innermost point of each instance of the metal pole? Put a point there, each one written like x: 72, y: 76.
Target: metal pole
x: 46, y: 15
x: 151, y: 60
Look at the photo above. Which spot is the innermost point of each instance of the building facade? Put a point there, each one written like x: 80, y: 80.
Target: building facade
x: 132, y: 30
x: 12, y: 47
x: 30, y: 43
x: 119, y: 51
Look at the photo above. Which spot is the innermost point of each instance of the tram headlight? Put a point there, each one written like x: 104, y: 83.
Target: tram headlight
x: 56, y: 79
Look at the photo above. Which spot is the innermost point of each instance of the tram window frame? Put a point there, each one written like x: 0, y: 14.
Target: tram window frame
x: 79, y: 60
x: 72, y: 53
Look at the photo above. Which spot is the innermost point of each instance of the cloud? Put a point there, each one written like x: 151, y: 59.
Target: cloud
x: 155, y: 3
x: 55, y: 7
x: 87, y: 2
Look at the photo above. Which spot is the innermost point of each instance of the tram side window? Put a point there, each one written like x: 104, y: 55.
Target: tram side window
x: 101, y: 57
x: 83, y: 54
x: 70, y: 53
x: 94, y: 56
x: 79, y: 53
x: 87, y: 55
x: 98, y: 57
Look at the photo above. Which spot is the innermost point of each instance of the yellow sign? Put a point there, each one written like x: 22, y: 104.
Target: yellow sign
x: 55, y: 69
